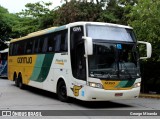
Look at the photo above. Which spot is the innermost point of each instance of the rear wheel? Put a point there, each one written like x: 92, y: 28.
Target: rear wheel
x: 16, y: 81
x: 62, y: 92
x: 20, y: 83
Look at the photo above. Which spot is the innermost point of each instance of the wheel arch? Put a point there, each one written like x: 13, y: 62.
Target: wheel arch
x: 64, y: 97
x: 58, y: 81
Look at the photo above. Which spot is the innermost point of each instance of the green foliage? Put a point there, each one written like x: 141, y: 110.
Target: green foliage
x: 36, y: 10
x: 5, y: 27
x: 145, y: 18
x: 38, y: 16
x: 113, y: 11
x: 24, y: 26
x: 3, y: 10
x: 77, y: 11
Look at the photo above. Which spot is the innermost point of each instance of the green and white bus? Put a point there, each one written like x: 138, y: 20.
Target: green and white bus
x: 89, y: 61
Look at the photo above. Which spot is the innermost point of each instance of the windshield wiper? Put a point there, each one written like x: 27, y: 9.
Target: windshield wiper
x: 126, y: 69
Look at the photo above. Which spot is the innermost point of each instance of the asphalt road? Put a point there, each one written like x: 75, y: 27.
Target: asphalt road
x: 13, y: 98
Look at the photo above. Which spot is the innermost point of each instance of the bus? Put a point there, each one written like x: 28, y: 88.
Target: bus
x: 3, y: 62
x: 89, y: 61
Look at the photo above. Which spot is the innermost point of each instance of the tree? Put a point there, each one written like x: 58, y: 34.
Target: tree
x: 112, y: 11
x: 116, y: 11
x: 145, y: 18
x: 36, y: 10
x: 5, y: 27
x: 39, y: 13
x: 77, y: 11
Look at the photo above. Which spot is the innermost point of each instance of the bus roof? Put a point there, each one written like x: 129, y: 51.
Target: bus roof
x: 53, y: 29
x: 99, y: 23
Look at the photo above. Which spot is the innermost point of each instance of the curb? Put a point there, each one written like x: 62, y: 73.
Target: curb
x: 150, y: 96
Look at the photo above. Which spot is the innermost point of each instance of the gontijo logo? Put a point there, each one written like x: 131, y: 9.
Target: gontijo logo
x: 27, y: 60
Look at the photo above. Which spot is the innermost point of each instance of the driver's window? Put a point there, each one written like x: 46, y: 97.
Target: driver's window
x: 77, y: 53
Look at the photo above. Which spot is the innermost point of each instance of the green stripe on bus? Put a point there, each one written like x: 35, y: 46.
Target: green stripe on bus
x: 122, y: 84
x: 45, y: 67
x: 37, y: 67
x: 126, y: 83
x: 130, y: 83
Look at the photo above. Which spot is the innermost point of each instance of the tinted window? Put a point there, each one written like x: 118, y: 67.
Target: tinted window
x: 41, y: 42
x: 57, y: 42
x: 50, y: 43
x: 61, y: 41
x: 29, y: 46
x: 53, y: 42
x: 36, y: 44
x: 21, y: 48
x: 10, y: 48
x: 77, y: 53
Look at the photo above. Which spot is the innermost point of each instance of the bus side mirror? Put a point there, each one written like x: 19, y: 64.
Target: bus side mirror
x: 88, y: 45
x: 148, y: 49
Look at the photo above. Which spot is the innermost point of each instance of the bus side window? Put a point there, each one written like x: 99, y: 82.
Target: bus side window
x: 40, y: 46
x: 35, y: 48
x: 21, y: 47
x: 57, y: 42
x: 45, y: 45
x: 29, y: 46
x: 15, y: 47
x: 64, y: 41
x: 20, y: 50
x: 11, y: 49
x: 50, y: 43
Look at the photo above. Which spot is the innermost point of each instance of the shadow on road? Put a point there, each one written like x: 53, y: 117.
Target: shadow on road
x: 37, y: 91
x: 84, y: 104
x: 3, y: 78
x: 100, y: 104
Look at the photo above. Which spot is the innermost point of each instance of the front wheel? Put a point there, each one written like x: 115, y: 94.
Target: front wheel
x: 62, y: 92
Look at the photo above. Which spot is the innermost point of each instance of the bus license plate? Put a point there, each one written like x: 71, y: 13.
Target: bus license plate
x: 118, y: 94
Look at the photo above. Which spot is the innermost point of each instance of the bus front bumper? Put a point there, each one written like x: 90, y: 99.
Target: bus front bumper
x: 95, y: 94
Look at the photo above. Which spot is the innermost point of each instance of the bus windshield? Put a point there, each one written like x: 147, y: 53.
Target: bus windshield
x: 114, y: 61
x: 110, y: 33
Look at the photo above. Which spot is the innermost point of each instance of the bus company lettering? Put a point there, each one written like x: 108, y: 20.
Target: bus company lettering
x: 77, y: 29
x: 27, y: 60
x: 60, y: 61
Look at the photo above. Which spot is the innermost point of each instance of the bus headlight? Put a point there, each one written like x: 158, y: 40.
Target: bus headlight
x: 137, y: 85
x: 95, y: 85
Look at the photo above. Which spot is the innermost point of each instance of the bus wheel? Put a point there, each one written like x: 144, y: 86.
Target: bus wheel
x: 16, y: 81
x: 62, y: 92
x: 20, y: 83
